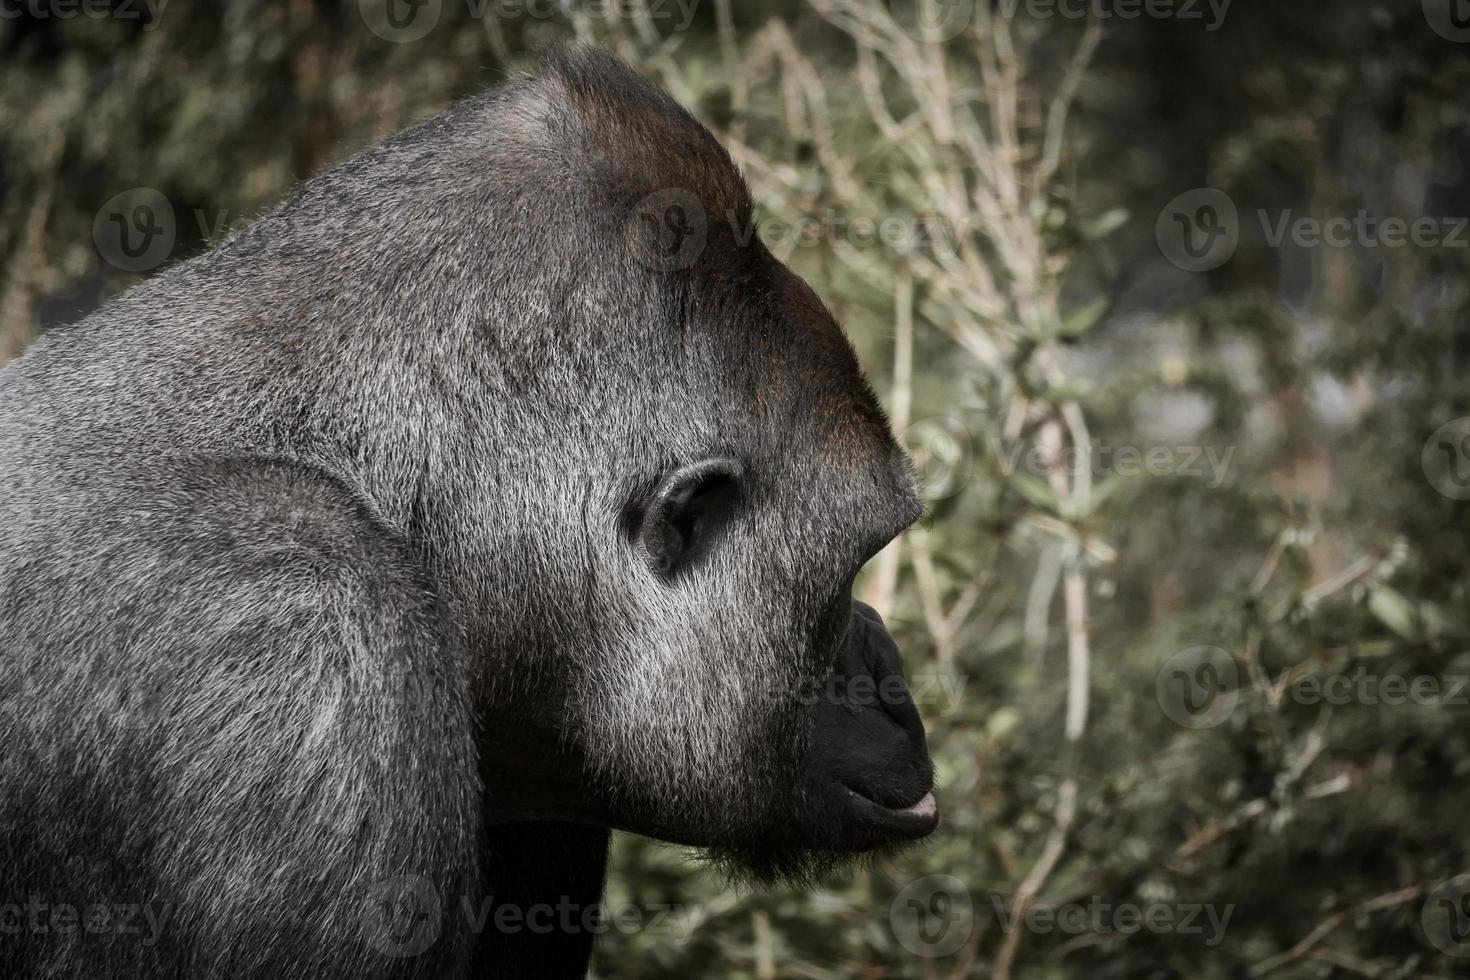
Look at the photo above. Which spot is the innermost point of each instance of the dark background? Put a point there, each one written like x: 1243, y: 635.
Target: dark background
x: 1245, y: 630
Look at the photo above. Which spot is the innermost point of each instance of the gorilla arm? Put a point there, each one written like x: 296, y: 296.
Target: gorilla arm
x: 266, y: 739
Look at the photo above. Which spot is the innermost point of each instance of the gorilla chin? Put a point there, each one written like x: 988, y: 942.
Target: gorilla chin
x: 867, y: 781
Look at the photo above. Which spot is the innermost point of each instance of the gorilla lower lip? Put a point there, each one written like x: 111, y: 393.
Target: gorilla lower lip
x: 924, y: 809
x: 912, y: 821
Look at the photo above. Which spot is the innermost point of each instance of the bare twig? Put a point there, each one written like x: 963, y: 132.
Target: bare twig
x: 1308, y: 943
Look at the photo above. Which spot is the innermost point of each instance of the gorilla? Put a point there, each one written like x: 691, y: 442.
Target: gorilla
x: 497, y: 490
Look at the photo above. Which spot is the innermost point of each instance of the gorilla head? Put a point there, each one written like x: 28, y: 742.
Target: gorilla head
x: 677, y: 471
x: 497, y: 482
x: 637, y: 455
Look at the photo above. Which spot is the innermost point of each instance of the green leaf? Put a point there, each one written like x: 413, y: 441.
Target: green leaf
x: 953, y: 566
x: 1036, y: 491
x: 1394, y: 611
x: 1105, y: 224
x: 1102, y: 493
x: 1083, y: 319
x: 941, y: 507
x: 1438, y: 621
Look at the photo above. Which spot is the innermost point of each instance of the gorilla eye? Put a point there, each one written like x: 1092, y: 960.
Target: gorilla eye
x: 689, y: 507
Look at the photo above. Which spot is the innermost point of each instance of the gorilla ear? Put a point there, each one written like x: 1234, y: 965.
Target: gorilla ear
x: 689, y: 508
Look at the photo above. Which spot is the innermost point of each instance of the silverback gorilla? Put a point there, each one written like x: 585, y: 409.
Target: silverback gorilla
x: 497, y: 490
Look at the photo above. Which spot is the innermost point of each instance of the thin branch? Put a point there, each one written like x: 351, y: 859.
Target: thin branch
x: 1038, y: 602
x: 1061, y: 104
x: 1324, y: 928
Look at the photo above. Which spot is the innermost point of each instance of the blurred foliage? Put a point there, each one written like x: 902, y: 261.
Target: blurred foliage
x: 1291, y: 536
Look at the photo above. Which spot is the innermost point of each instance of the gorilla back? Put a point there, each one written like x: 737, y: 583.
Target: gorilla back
x: 496, y: 490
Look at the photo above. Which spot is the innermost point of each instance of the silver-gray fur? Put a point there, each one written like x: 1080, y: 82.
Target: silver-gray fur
x: 307, y: 543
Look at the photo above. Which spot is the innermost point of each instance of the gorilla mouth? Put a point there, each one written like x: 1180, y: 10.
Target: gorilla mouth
x: 867, y: 753
x: 909, y: 821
